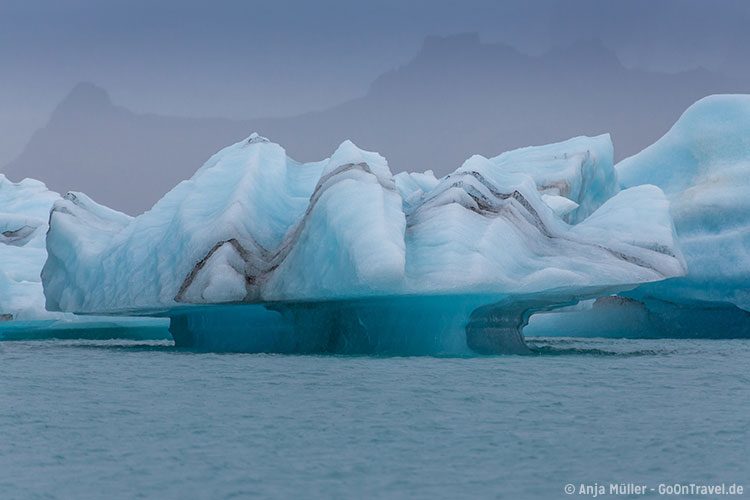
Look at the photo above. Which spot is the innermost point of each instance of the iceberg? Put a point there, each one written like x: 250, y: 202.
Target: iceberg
x: 259, y: 252
x: 703, y: 166
x: 575, y: 177
x: 24, y: 212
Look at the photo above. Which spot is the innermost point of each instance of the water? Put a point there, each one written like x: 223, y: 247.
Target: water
x: 123, y: 419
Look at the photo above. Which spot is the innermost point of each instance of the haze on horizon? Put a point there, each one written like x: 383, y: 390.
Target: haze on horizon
x: 246, y: 60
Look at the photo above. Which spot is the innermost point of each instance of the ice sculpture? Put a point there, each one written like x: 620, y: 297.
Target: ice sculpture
x: 703, y: 166
x: 259, y: 252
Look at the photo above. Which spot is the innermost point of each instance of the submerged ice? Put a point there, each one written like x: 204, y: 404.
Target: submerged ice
x: 342, y: 245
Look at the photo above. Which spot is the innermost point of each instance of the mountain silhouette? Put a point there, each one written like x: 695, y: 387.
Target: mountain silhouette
x: 456, y: 97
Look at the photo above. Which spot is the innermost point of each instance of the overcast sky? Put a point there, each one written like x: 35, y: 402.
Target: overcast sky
x: 245, y: 58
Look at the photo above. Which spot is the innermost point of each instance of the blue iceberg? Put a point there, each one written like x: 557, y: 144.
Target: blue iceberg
x: 703, y: 166
x: 258, y: 252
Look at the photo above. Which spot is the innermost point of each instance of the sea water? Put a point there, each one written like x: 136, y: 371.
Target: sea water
x: 127, y: 419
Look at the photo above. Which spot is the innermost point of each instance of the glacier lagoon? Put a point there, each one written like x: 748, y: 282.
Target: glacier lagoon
x: 147, y: 419
x: 530, y: 253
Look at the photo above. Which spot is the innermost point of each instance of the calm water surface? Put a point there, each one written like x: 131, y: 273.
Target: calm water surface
x: 117, y: 419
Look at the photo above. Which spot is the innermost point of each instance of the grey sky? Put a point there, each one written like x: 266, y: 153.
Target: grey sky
x: 244, y: 59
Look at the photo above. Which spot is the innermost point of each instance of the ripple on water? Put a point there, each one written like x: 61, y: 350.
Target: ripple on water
x: 143, y: 418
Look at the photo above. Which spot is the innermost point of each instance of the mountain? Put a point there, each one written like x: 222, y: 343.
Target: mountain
x: 457, y: 97
x: 124, y: 159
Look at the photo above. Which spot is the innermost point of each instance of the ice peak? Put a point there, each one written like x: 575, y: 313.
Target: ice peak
x: 348, y: 147
x: 256, y: 138
x: 350, y: 153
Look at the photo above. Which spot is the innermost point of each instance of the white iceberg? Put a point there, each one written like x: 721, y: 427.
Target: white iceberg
x: 24, y: 212
x: 703, y: 165
x: 340, y: 253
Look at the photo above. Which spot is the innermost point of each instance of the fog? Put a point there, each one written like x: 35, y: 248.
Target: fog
x: 181, y: 79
